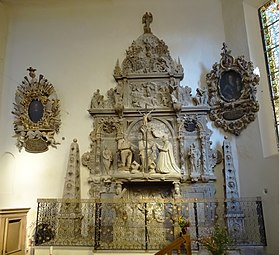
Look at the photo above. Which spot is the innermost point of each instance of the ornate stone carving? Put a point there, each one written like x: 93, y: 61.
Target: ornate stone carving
x: 148, y: 54
x: 37, y: 114
x: 144, y: 128
x: 232, y: 86
x: 198, y: 158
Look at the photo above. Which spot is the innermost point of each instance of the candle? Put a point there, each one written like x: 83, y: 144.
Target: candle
x: 50, y: 250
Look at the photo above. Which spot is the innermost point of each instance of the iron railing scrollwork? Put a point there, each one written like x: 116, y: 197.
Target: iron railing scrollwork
x: 144, y: 225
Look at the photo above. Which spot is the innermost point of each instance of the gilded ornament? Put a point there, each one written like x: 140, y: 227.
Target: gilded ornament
x: 37, y: 114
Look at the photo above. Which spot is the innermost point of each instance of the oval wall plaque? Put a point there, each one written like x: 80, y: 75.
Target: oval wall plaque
x: 36, y: 111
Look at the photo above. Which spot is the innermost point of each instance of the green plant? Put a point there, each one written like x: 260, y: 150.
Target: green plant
x: 183, y: 222
x: 218, y: 241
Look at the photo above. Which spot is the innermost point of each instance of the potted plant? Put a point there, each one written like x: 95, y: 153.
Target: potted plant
x: 183, y: 223
x: 218, y: 241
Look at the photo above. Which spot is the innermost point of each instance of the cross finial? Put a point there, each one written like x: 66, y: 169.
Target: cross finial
x: 32, y: 72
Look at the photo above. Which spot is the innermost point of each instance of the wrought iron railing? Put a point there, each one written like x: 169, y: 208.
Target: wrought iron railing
x: 144, y: 225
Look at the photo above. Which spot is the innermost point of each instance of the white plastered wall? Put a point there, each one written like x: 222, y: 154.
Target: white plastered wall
x: 265, y: 174
x: 3, y: 39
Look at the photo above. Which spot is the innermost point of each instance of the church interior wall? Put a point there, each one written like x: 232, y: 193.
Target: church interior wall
x: 3, y: 38
x: 264, y: 150
x: 268, y: 139
x: 76, y: 47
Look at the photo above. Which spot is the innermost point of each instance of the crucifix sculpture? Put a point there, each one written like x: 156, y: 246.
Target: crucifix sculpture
x: 146, y: 116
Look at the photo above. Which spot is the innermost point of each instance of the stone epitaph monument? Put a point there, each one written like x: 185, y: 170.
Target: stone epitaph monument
x: 149, y: 128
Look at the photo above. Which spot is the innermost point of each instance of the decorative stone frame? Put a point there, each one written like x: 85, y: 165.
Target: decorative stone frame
x: 232, y: 92
x: 37, y: 114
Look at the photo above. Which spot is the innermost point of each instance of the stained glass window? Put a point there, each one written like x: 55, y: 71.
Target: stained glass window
x: 269, y: 18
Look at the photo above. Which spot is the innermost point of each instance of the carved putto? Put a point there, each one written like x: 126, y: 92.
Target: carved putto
x: 37, y: 114
x: 232, y: 86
